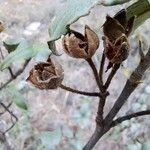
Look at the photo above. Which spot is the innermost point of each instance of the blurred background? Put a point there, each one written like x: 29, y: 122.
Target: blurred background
x: 60, y: 120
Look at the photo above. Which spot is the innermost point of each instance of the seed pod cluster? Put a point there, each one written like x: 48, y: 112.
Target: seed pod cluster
x: 49, y: 75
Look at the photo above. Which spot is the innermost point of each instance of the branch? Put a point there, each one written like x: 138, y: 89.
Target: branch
x: 16, y: 74
x: 98, y: 133
x: 99, y: 117
x: 12, y: 115
x: 92, y: 65
x: 102, y: 101
x: 8, y: 106
x: 79, y: 92
x: 128, y: 117
x: 111, y: 75
x: 102, y: 68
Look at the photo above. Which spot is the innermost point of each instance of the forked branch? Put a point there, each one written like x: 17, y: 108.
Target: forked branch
x: 130, y: 86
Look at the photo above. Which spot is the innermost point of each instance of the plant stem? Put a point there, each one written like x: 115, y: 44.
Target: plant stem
x: 12, y: 115
x: 128, y: 117
x: 111, y: 75
x: 98, y: 133
x: 16, y: 74
x: 79, y: 92
x: 92, y: 65
x: 102, y: 68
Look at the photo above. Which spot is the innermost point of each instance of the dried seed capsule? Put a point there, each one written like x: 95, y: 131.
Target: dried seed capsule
x: 116, y: 31
x: 78, y: 46
x: 46, y: 75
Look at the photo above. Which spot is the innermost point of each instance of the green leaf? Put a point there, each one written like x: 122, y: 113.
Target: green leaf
x: 146, y: 145
x: 50, y: 139
x: 11, y: 44
x: 16, y: 97
x: 68, y: 14
x: 24, y: 51
x: 141, y: 10
x: 113, y: 2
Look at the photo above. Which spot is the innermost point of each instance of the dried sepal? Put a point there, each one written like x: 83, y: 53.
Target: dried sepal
x: 46, y: 75
x: 115, y: 26
x: 117, y: 52
x: 78, y: 46
x: 112, y: 29
x: 121, y: 17
x: 122, y: 50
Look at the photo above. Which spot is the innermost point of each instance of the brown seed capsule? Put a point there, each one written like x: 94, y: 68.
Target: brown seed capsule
x: 46, y: 75
x: 116, y: 31
x: 78, y: 46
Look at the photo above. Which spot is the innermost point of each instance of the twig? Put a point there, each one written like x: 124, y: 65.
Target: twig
x: 16, y: 74
x: 140, y: 50
x: 11, y: 72
x: 102, y: 101
x: 12, y: 115
x: 79, y: 92
x: 7, y: 107
x: 92, y: 65
x: 128, y: 117
x: 102, y: 68
x: 111, y: 75
x: 99, y: 80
